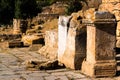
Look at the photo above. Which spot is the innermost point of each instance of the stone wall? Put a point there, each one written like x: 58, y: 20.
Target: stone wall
x: 50, y: 50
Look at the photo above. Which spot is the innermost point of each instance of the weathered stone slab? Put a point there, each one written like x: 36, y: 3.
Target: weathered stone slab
x: 75, y: 49
x: 62, y: 35
x: 51, y: 38
x: 101, y: 39
x: 12, y: 44
x: 32, y: 39
x: 50, y: 50
x: 74, y: 44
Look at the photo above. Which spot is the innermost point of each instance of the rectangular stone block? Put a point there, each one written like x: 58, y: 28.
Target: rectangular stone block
x: 51, y: 38
x: 62, y: 35
x: 71, y: 44
x: 75, y: 51
x: 12, y: 44
x: 105, y: 42
x: 50, y: 50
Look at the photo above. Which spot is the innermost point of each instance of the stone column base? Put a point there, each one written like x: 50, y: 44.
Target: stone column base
x: 99, y: 69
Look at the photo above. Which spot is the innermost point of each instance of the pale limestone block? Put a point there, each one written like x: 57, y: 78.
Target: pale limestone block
x: 62, y: 35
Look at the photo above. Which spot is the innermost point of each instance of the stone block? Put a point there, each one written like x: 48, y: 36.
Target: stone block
x: 75, y: 45
x: 101, y: 39
x: 32, y: 39
x: 75, y: 50
x: 62, y: 35
x: 12, y: 44
x: 51, y: 38
x: 50, y: 50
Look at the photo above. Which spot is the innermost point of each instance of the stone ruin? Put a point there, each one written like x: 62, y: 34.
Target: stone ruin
x: 92, y: 47
x: 19, y: 26
x: 95, y: 51
x: 87, y: 40
x: 71, y: 43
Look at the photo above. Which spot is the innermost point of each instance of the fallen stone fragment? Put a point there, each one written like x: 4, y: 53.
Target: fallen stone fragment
x: 43, y: 65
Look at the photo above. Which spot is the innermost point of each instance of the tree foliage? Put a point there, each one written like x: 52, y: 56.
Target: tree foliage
x: 17, y: 9
x: 25, y: 9
x: 74, y: 6
x: 6, y: 11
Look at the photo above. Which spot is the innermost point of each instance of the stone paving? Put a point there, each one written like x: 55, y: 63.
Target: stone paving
x: 12, y: 67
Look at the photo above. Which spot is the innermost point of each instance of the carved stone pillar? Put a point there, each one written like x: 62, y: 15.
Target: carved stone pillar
x: 101, y: 39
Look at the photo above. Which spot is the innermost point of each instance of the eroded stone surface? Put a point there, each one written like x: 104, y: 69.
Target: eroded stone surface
x: 50, y: 50
x: 114, y: 7
x: 62, y: 35
x: 101, y: 39
x: 72, y: 47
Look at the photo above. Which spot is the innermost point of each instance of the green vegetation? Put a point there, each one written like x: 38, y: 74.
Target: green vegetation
x: 74, y: 6
x: 23, y: 9
x: 6, y: 11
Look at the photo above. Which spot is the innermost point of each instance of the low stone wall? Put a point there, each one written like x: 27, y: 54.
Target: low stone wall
x: 4, y: 37
x: 50, y: 50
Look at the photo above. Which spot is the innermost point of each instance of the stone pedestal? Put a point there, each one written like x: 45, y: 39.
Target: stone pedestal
x: 101, y: 39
